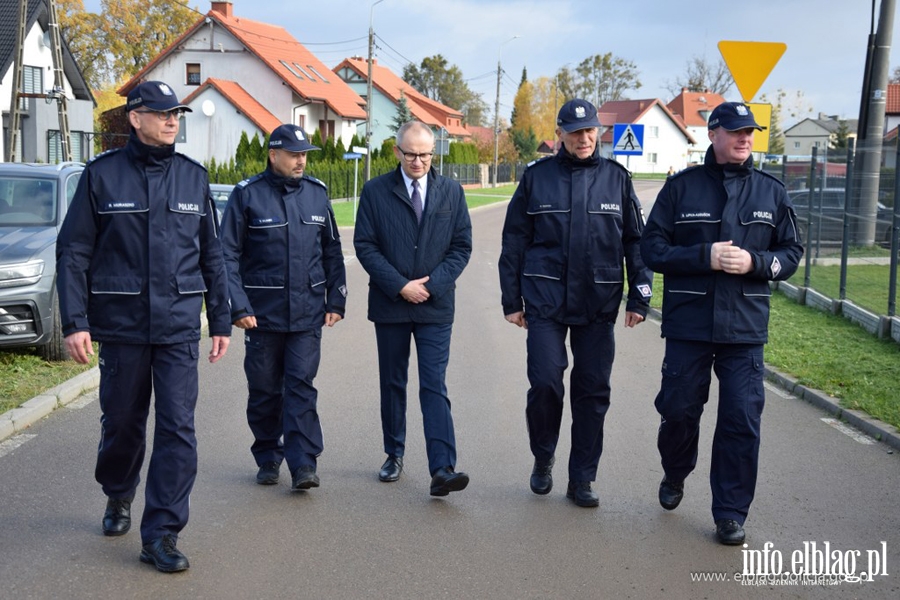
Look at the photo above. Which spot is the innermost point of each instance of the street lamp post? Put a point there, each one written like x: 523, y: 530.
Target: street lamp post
x: 497, y: 111
x: 369, y: 93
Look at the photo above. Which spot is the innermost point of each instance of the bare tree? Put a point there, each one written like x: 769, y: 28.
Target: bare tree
x: 700, y: 75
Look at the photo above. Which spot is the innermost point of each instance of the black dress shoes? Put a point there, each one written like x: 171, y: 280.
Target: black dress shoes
x: 117, y: 518
x: 581, y: 493
x: 446, y: 480
x: 391, y: 469
x: 542, y: 476
x: 729, y: 532
x: 304, y: 478
x: 670, y: 493
x: 163, y: 554
x: 268, y: 474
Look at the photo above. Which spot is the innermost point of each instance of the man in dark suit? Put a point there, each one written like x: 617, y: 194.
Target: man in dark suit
x: 413, y: 236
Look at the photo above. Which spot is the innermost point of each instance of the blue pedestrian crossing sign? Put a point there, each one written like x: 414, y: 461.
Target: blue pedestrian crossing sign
x: 628, y: 139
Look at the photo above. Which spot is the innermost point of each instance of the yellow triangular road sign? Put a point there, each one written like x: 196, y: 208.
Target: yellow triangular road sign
x: 750, y: 63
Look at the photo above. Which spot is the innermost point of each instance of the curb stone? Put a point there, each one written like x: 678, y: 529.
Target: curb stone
x: 27, y: 414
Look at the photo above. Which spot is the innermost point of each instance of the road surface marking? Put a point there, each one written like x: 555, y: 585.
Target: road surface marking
x: 850, y: 431
x: 14, y: 442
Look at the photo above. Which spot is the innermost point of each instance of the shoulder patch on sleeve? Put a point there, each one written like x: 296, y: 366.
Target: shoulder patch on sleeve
x: 769, y: 175
x: 619, y: 165
x: 314, y: 180
x: 103, y: 155
x: 683, y: 172
x: 244, y: 183
x: 538, y: 160
x: 193, y: 160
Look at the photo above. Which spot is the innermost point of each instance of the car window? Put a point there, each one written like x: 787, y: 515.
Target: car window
x: 71, y: 186
x: 28, y: 201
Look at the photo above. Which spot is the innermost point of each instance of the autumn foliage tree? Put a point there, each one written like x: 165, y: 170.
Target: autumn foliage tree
x: 114, y: 45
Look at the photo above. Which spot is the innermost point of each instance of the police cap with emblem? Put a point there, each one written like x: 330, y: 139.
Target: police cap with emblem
x: 577, y: 114
x: 291, y: 138
x: 154, y: 95
x: 733, y: 116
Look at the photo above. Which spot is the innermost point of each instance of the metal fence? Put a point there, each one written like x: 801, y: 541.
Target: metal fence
x: 849, y: 223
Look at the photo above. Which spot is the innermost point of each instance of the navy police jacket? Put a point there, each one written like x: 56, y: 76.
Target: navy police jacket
x: 138, y: 250
x: 394, y: 248
x: 283, y: 253
x: 710, y: 203
x: 572, y: 231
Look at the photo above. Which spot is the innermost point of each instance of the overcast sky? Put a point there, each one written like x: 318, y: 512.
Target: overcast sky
x: 825, y: 57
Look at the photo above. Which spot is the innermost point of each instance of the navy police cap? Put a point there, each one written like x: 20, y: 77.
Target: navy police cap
x: 291, y: 138
x: 733, y: 116
x: 154, y: 95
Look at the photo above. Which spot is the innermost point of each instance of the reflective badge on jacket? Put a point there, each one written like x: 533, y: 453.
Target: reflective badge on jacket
x: 121, y: 206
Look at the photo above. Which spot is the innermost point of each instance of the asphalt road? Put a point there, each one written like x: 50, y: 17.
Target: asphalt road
x: 355, y: 537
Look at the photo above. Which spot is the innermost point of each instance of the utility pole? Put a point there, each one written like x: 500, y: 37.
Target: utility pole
x: 369, y: 93
x: 497, y: 113
x: 869, y: 148
x: 15, y: 115
x: 59, y: 87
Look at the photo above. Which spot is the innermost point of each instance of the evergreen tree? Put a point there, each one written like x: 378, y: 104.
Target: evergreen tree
x: 404, y: 115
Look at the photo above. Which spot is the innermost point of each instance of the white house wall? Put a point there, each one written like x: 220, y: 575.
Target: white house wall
x: 216, y: 136
x: 221, y: 56
x: 802, y: 137
x: 40, y: 116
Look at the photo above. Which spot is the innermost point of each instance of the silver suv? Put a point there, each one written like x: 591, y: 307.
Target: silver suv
x: 33, y: 203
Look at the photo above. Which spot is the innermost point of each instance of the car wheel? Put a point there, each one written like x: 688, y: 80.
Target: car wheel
x: 55, y: 349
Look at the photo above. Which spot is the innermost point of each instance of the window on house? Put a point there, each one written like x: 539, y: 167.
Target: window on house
x: 192, y: 73
x: 301, y: 121
x: 307, y: 75
x: 181, y: 138
x: 651, y: 158
x: 652, y: 131
x: 32, y: 83
x: 816, y: 144
x: 319, y: 75
x: 796, y: 145
x: 291, y: 69
x: 326, y: 128
x: 78, y: 140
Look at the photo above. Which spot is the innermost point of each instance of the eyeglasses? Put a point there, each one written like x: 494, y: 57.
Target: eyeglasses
x: 162, y: 116
x: 412, y: 156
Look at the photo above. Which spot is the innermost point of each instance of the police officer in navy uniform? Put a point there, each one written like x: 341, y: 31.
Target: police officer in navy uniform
x: 286, y: 279
x: 137, y: 256
x: 572, y: 233
x: 719, y: 232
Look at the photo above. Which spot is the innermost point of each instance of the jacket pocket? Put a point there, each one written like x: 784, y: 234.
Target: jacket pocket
x: 128, y: 286
x: 274, y: 282
x: 543, y: 268
x: 193, y: 284
x: 316, y: 276
x: 608, y: 275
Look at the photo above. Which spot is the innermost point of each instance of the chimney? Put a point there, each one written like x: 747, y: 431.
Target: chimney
x: 223, y: 8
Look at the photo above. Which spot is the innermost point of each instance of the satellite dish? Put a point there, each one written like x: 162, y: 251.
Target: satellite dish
x: 208, y: 108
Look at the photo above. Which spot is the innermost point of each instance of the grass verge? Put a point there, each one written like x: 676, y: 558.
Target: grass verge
x: 24, y: 375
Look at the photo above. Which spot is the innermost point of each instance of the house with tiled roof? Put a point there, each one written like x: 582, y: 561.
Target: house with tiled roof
x: 387, y: 89
x: 693, y: 109
x: 241, y: 75
x: 821, y: 133
x: 39, y: 132
x: 666, y: 139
